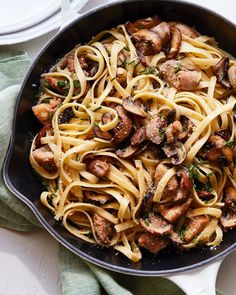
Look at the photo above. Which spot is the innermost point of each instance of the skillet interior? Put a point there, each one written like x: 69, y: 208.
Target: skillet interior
x: 18, y: 173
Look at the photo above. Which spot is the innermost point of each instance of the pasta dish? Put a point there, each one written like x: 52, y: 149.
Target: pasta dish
x: 137, y: 149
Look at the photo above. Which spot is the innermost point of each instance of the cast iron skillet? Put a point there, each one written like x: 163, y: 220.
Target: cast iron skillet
x: 26, y: 185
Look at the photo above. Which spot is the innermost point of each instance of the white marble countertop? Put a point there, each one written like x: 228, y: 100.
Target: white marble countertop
x: 29, y: 264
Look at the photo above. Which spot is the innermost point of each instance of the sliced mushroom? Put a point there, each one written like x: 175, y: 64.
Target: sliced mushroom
x: 180, y: 74
x: 98, y: 166
x: 121, y: 75
x: 65, y: 116
x: 127, y: 152
x: 153, y: 243
x: 220, y: 70
x: 205, y: 195
x: 185, y: 187
x: 187, y: 31
x: 147, y: 202
x: 163, y: 31
x: 155, y: 224
x: 171, y: 116
x: 176, y: 39
x: 102, y: 134
x: 228, y: 220
x: 232, y: 76
x: 44, y: 156
x: 135, y: 107
x: 144, y: 23
x: 103, y: 228
x: 139, y: 136
x: 194, y: 226
x: 124, y: 127
x: 173, y: 131
x: 223, y: 133
x: 155, y: 130
x: 148, y: 42
x: 97, y: 197
x: 188, y: 128
x: 42, y: 132
x: 230, y: 200
x: 176, y: 152
x: 171, y: 212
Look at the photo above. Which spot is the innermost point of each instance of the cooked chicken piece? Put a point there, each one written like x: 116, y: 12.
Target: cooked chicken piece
x: 173, y: 212
x: 232, y: 76
x: 124, y: 127
x: 155, y: 130
x: 103, y: 228
x: 70, y: 63
x: 194, y: 227
x: 155, y: 224
x: 44, y: 111
x: 181, y: 74
x: 186, y: 30
x: 44, y: 156
x: 172, y: 185
x: 139, y: 136
x: 121, y: 75
x: 98, y: 166
x: 173, y: 131
x: 153, y: 243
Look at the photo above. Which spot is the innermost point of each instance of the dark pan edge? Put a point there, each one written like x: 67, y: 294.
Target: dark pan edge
x: 38, y: 214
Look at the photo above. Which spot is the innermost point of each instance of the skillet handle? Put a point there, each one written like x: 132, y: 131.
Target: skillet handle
x: 201, y: 281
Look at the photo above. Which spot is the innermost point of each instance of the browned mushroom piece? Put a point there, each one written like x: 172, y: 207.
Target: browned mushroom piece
x: 187, y: 31
x: 153, y: 243
x: 172, y: 185
x: 42, y: 132
x: 44, y: 156
x: 223, y: 133
x: 155, y: 224
x: 185, y: 187
x: 175, y: 42
x: 195, y: 226
x: 126, y: 152
x: 171, y: 212
x: 139, y: 136
x: 124, y: 127
x: 171, y: 116
x: 135, y: 107
x: 121, y: 75
x: 232, y: 76
x: 144, y: 23
x: 230, y: 199
x: 44, y: 111
x: 102, y: 134
x: 163, y: 31
x: 188, y: 128
x: 180, y: 74
x: 97, y: 197
x: 104, y: 229
x: 147, y: 202
x: 228, y: 220
x: 106, y: 118
x: 98, y: 166
x: 147, y: 41
x: 176, y: 152
x: 218, y: 150
x: 155, y: 130
x: 220, y: 70
x: 89, y: 67
x: 205, y: 195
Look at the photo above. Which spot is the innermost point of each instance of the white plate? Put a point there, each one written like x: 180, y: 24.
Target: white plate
x: 18, y: 15
x: 49, y: 24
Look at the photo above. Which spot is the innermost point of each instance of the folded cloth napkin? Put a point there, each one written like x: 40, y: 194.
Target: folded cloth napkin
x: 78, y: 276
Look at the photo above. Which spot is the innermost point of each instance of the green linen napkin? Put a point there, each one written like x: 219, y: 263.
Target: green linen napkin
x: 78, y: 277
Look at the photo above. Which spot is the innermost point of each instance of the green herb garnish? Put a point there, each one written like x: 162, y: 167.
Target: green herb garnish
x: 126, y: 49
x: 98, y: 108
x: 76, y: 83
x: 178, y: 68
x: 230, y: 144
x: 61, y: 83
x: 113, y: 79
x: 46, y: 100
x: 146, y: 222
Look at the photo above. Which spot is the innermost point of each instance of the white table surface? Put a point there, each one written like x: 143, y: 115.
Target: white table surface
x: 28, y: 261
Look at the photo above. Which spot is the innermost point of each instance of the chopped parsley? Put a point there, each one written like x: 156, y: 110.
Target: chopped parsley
x: 149, y: 70
x: 46, y: 100
x: 76, y: 83
x: 181, y: 232
x: 230, y: 144
x: 98, y: 108
x: 146, y: 222
x: 113, y: 79
x: 46, y: 84
x: 178, y: 68
x: 193, y: 171
x: 61, y: 83
x: 126, y: 48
